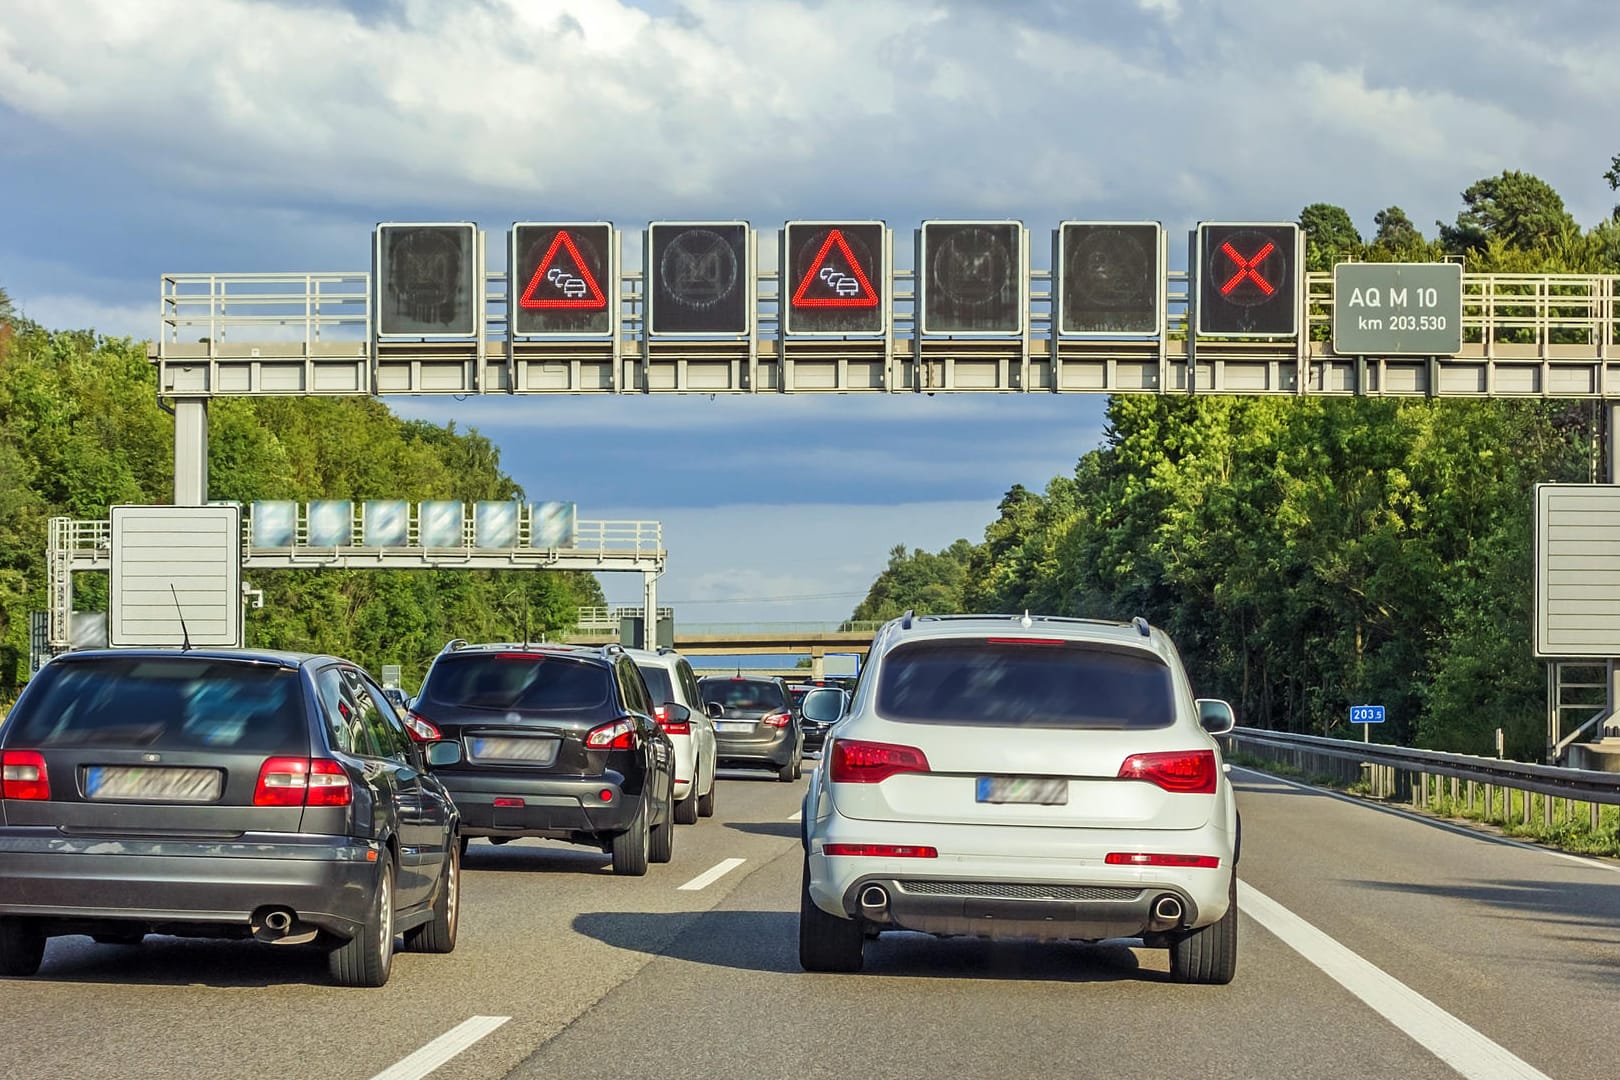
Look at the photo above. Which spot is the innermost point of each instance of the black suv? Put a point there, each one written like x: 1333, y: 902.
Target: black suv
x: 222, y: 794
x: 559, y: 742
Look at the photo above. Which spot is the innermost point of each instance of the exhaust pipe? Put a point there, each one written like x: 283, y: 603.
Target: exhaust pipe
x: 875, y: 903
x: 279, y: 926
x: 1167, y: 913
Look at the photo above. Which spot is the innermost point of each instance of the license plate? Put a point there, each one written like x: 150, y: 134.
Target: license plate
x: 153, y: 785
x: 734, y: 725
x: 512, y: 751
x: 1023, y: 789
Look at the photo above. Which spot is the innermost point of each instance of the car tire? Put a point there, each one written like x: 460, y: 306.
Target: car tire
x: 705, y: 801
x: 629, y: 848
x: 22, y: 947
x: 661, y: 837
x: 686, y: 811
x: 1208, y: 955
x: 798, y: 767
x: 438, y: 935
x: 367, y: 958
x: 826, y: 942
x: 118, y: 939
x: 787, y: 773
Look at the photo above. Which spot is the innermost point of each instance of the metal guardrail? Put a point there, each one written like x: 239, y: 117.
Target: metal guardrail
x: 1400, y: 773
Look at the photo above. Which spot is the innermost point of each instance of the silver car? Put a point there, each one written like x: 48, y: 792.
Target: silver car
x: 1032, y: 777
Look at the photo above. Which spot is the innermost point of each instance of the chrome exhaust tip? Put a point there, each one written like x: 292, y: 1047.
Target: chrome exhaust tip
x: 874, y: 900
x: 279, y: 926
x: 1167, y: 913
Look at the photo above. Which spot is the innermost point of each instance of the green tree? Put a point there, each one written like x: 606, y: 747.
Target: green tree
x: 1396, y: 235
x: 1330, y: 236
x: 920, y: 581
x: 1521, y: 210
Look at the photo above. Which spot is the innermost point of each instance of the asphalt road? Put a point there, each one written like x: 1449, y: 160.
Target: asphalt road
x: 1373, y: 944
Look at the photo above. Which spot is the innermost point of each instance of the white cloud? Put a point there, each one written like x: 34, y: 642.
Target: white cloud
x: 74, y: 312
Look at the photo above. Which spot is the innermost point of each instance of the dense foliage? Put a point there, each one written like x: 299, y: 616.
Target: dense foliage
x: 1309, y: 554
x: 81, y: 429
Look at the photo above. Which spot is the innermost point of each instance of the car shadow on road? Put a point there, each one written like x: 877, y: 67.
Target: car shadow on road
x: 172, y: 961
x: 533, y: 858
x: 767, y: 941
x: 787, y: 829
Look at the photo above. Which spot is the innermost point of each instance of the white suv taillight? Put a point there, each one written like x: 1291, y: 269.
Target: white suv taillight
x: 1190, y: 772
x: 857, y: 762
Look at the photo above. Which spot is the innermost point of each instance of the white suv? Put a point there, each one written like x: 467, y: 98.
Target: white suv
x: 671, y: 680
x: 1007, y: 776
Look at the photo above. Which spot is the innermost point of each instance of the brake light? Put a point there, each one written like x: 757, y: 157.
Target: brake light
x: 290, y: 781
x: 856, y: 762
x: 882, y: 851
x: 1147, y: 858
x: 619, y: 735
x: 421, y: 728
x: 23, y: 775
x: 1024, y: 641
x: 777, y: 719
x: 672, y: 727
x: 1190, y: 772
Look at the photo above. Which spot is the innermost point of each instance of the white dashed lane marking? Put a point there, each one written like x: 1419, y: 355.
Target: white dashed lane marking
x: 712, y: 875
x: 442, y: 1049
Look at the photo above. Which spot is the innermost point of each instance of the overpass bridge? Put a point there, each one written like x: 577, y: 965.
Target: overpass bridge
x: 816, y: 640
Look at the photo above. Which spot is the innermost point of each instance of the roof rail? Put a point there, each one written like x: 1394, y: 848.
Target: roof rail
x: 453, y: 646
x: 1142, y: 627
x: 665, y: 650
x: 905, y: 620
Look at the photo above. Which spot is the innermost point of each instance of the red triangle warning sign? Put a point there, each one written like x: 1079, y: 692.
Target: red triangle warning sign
x: 834, y: 287
x: 565, y: 289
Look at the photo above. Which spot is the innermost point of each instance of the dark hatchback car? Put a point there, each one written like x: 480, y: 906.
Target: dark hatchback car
x: 559, y: 742
x: 222, y: 794
x: 755, y: 725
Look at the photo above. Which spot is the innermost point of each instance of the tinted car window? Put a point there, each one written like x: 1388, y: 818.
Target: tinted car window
x: 658, y: 683
x: 744, y: 693
x: 339, y: 712
x: 385, y: 741
x: 168, y: 703
x: 521, y: 683
x: 1024, y: 685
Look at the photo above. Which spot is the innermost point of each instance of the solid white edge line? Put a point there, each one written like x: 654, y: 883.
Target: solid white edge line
x: 442, y: 1049
x: 711, y: 875
x: 1439, y: 822
x: 1463, y: 1048
x: 797, y: 815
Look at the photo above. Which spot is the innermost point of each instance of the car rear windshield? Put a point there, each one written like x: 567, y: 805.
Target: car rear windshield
x: 167, y: 703
x: 520, y: 682
x: 1030, y: 685
x: 658, y: 684
x: 743, y: 694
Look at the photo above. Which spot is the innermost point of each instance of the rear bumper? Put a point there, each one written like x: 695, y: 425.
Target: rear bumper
x: 1068, y: 892
x: 186, y: 885
x: 754, y: 751
x: 562, y: 808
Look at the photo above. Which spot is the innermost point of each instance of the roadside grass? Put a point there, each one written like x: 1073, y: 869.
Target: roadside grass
x: 1566, y: 824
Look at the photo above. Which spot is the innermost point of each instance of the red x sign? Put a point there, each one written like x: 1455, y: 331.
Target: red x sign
x: 1247, y: 268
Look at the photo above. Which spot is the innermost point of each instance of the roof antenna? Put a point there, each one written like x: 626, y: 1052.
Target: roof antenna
x: 1026, y: 622
x: 525, y: 627
x: 185, y: 635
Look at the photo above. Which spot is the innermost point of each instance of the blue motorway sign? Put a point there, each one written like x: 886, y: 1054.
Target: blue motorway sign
x: 1366, y: 714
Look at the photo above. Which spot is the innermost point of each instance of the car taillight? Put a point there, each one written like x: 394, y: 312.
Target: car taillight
x: 1148, y: 858
x: 672, y: 727
x: 882, y: 851
x: 777, y: 719
x: 23, y: 775
x: 290, y: 781
x: 1189, y: 772
x: 856, y: 762
x: 619, y: 735
x: 421, y: 728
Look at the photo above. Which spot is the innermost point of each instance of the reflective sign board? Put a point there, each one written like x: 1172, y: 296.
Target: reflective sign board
x: 495, y: 524
x: 1397, y: 309
x: 552, y: 524
x: 1248, y: 279
x: 331, y: 523
x: 1108, y: 278
x: 562, y: 278
x: 385, y: 522
x: 700, y: 279
x: 439, y: 524
x: 426, y: 279
x: 274, y: 523
x: 972, y: 278
x: 835, y: 278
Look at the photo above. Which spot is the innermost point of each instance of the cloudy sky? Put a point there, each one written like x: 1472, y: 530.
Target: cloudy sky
x: 269, y: 135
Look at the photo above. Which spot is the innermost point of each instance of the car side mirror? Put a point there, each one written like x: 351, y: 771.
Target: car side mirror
x: 1215, y: 716
x: 823, y: 706
x: 440, y: 754
x: 675, y: 713
x: 713, y: 709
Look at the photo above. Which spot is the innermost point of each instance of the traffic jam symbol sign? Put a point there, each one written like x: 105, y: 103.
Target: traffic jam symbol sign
x: 846, y: 288
x: 565, y: 287
x: 838, y: 272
